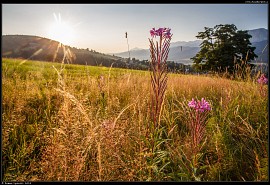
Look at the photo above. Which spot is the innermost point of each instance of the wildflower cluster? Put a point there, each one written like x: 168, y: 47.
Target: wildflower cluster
x: 199, y: 105
x: 162, y: 32
x: 262, y: 80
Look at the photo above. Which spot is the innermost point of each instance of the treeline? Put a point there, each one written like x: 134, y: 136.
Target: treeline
x: 172, y: 66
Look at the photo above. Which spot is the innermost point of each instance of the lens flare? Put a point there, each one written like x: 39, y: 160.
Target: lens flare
x: 61, y: 31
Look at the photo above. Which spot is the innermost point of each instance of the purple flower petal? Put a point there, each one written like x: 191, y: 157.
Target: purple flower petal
x: 162, y: 32
x: 262, y: 79
x: 201, y: 106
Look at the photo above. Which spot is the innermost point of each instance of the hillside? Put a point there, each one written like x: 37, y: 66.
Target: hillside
x: 258, y: 35
x: 38, y: 48
x: 261, y: 50
x: 260, y: 41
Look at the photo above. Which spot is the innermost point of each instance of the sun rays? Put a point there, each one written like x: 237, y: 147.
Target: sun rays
x: 61, y: 30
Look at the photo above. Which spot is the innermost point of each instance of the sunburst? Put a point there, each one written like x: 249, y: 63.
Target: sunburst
x: 61, y: 30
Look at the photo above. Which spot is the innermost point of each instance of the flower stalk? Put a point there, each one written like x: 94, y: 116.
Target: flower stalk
x: 197, y: 123
x: 158, y: 57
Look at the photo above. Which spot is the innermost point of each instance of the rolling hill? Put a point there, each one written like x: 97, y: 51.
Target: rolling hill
x: 39, y: 48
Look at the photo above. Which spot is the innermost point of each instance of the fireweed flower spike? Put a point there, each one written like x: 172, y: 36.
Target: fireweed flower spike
x: 159, y: 52
x: 262, y: 81
x: 198, y: 122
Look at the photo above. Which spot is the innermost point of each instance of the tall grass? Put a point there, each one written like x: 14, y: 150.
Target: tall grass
x: 95, y: 129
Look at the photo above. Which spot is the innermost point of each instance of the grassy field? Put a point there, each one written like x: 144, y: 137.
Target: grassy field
x: 89, y: 123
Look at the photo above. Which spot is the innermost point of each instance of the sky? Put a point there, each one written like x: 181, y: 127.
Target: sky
x: 102, y: 27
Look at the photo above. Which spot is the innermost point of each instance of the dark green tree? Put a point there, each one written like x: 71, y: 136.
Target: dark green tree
x: 223, y: 48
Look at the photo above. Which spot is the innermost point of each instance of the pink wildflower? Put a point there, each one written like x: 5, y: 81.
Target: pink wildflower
x: 192, y: 103
x: 201, y: 106
x: 262, y: 79
x: 166, y: 32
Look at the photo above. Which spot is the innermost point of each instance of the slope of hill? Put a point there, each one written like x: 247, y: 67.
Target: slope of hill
x: 262, y: 51
x: 258, y: 35
x: 38, y: 48
x: 261, y: 42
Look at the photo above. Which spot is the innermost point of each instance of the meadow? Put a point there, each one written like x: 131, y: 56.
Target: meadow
x: 84, y: 123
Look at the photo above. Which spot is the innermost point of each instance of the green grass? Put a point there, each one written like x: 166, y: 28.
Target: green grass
x: 84, y: 128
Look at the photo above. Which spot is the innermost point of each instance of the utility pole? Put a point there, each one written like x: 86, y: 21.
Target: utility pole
x: 128, y: 47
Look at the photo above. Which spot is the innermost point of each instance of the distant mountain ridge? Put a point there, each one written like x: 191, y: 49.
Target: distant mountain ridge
x: 258, y: 35
x: 190, y: 48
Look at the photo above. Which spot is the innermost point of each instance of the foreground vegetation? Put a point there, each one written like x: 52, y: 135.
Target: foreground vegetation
x: 93, y: 124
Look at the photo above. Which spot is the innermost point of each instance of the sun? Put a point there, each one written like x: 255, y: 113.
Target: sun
x: 61, y: 31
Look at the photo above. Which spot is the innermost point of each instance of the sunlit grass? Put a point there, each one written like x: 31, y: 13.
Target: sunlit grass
x: 96, y: 128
